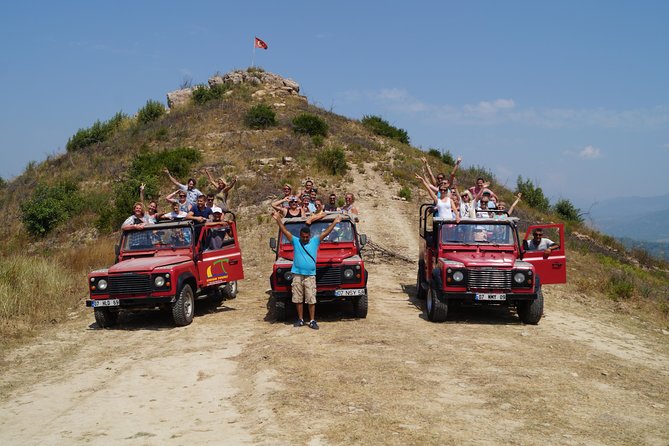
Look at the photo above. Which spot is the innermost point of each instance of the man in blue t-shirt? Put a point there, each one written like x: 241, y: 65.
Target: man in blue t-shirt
x: 305, y: 251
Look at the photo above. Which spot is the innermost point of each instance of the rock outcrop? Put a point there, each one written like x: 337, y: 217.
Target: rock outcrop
x: 268, y: 85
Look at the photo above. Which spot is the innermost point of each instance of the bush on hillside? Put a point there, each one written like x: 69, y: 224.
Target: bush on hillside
x: 49, y: 206
x: 150, y: 112
x: 260, y: 116
x: 97, y: 133
x: 566, y: 210
x: 405, y: 192
x: 311, y: 125
x: 333, y: 160
x: 445, y: 157
x: 146, y: 168
x: 382, y: 127
x: 203, y: 93
x: 532, y: 195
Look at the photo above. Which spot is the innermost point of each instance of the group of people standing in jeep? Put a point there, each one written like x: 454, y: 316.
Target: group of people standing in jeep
x: 307, y: 203
x: 479, y: 201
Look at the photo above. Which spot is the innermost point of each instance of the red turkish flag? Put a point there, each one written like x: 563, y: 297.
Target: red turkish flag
x: 260, y: 44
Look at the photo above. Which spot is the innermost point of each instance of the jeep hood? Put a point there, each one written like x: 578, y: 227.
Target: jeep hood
x: 497, y: 259
x: 146, y: 264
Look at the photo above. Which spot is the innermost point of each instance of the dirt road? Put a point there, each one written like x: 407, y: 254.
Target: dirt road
x: 583, y: 376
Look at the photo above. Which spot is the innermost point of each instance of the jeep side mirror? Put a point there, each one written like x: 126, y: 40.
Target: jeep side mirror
x: 272, y: 244
x: 363, y: 240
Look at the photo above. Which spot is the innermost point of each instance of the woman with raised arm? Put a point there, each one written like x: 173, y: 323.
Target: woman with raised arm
x: 293, y: 209
x: 444, y: 206
x: 222, y: 189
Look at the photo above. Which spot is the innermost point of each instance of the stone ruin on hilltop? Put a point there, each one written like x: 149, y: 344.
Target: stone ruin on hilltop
x: 272, y: 85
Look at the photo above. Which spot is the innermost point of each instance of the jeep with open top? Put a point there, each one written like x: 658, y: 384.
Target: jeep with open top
x: 483, y: 261
x: 340, y: 269
x: 168, y: 266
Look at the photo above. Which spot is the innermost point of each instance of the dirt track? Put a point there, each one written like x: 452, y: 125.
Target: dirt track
x: 234, y: 376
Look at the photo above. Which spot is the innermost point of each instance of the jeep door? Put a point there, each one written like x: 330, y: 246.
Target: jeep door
x: 553, y: 268
x: 220, y: 258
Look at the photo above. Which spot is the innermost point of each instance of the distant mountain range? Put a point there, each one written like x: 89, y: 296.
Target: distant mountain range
x: 641, y: 222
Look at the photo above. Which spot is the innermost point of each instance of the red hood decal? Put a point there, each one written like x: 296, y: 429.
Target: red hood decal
x: 498, y: 259
x: 146, y: 263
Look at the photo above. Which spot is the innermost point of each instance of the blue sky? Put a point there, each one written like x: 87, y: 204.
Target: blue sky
x: 571, y: 94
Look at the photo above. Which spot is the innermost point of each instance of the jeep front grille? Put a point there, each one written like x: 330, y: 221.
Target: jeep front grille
x: 328, y: 275
x: 489, y: 279
x: 130, y: 284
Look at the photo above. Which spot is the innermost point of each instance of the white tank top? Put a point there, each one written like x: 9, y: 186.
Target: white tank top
x: 444, y: 209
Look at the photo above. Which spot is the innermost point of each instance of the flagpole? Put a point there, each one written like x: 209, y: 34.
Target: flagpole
x: 253, y: 58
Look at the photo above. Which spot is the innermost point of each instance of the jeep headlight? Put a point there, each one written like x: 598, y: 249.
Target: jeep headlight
x: 159, y: 281
x: 288, y: 276
x: 458, y: 276
x: 348, y: 273
x: 102, y: 284
x: 519, y: 278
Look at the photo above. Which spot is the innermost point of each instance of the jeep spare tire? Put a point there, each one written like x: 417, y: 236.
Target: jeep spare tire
x: 229, y: 290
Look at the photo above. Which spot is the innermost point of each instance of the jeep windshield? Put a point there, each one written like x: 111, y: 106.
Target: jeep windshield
x: 342, y: 232
x: 156, y: 237
x: 474, y: 233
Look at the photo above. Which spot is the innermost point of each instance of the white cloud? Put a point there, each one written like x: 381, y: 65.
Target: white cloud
x: 505, y: 110
x: 590, y: 152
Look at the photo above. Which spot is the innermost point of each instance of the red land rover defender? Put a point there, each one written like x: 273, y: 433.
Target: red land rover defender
x: 482, y: 261
x: 340, y: 270
x: 168, y: 265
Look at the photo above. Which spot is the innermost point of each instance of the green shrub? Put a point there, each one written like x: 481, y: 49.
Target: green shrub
x: 333, y: 160
x: 150, y: 112
x: 445, y: 157
x: 317, y: 140
x: 260, y: 116
x: 620, y: 286
x: 381, y: 127
x: 310, y: 124
x: 565, y: 209
x: 203, y: 93
x: 97, y: 133
x: 405, y: 193
x: 49, y: 206
x: 532, y: 195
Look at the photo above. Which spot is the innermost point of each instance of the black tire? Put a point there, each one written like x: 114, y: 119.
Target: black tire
x: 531, y: 311
x: 280, y: 310
x: 360, y: 307
x: 229, y: 290
x: 421, y: 293
x: 184, y: 308
x: 104, y: 317
x: 436, y: 310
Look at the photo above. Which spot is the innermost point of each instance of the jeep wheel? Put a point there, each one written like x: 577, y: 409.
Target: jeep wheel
x: 530, y: 311
x: 280, y: 310
x: 104, y: 317
x: 230, y: 290
x: 420, y: 291
x: 436, y: 310
x: 183, y: 308
x: 360, y: 307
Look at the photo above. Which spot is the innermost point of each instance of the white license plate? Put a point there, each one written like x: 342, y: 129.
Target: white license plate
x: 487, y: 296
x: 356, y: 292
x: 106, y: 303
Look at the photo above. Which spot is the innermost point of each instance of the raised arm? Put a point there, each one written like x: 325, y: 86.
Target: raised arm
x: 315, y: 217
x: 429, y: 171
x: 329, y: 229
x: 171, y: 198
x: 510, y: 211
x: 455, y: 169
x: 277, y: 204
x: 211, y: 179
x: 277, y: 217
x: 172, y: 179
x: 428, y: 188
x: 141, y: 194
x: 229, y: 186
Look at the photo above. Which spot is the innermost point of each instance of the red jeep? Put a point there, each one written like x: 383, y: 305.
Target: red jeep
x: 482, y: 261
x: 340, y: 270
x: 168, y: 265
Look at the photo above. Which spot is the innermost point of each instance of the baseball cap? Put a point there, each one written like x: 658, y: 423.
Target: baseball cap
x: 216, y: 210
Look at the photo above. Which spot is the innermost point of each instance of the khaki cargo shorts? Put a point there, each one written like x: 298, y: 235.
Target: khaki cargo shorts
x: 304, y: 289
